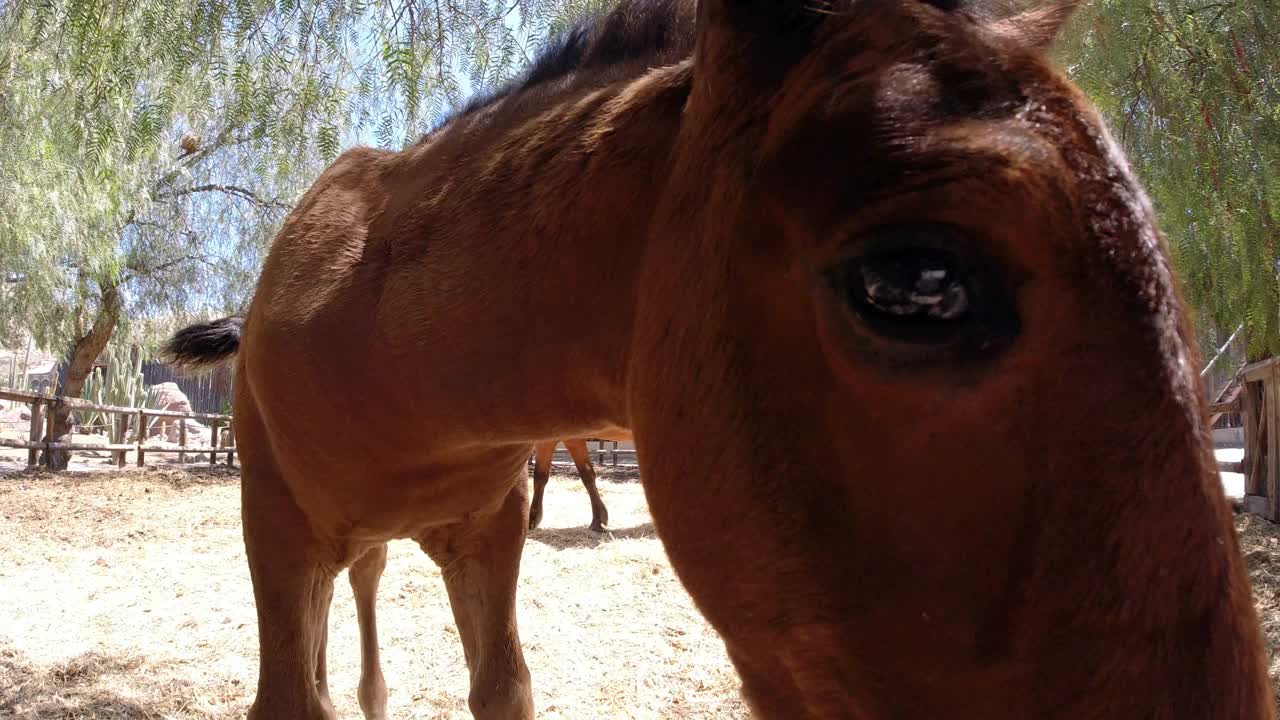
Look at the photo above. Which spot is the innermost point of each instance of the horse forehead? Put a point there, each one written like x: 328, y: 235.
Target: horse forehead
x: 1126, y: 246
x: 913, y: 81
x: 1119, y: 245
x: 1041, y: 102
x: 1117, y: 211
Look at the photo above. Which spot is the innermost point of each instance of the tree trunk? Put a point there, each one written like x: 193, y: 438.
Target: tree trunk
x: 26, y: 365
x: 84, y: 352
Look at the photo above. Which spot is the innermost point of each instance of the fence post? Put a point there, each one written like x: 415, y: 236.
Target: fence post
x: 215, y: 439
x: 141, y: 435
x: 33, y: 455
x: 231, y: 442
x: 615, y: 452
x: 182, y: 439
x: 1271, y: 408
x: 121, y: 429
x: 50, y: 417
x: 1249, y: 415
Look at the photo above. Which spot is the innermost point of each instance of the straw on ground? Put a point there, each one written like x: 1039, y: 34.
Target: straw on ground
x: 126, y: 595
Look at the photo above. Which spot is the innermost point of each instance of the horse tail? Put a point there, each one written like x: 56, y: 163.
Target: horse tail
x: 207, y: 343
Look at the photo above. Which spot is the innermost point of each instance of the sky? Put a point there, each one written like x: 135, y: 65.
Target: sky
x: 366, y: 49
x: 367, y: 135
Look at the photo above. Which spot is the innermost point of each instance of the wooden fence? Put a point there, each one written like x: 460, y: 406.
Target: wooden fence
x: 1259, y: 404
x: 612, y: 450
x: 602, y: 449
x: 42, y: 426
x: 208, y: 391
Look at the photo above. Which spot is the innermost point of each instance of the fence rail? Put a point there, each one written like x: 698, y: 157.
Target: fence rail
x: 46, y: 406
x: 1223, y: 408
x: 614, y: 451
x: 1265, y: 491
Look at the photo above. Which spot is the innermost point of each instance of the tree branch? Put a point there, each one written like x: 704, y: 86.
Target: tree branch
x: 233, y: 190
x: 223, y: 139
x: 137, y: 271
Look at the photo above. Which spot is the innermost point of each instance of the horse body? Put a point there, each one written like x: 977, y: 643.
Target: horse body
x: 403, y: 280
x: 885, y: 309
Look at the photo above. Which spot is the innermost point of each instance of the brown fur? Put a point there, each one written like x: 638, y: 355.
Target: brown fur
x: 1023, y: 520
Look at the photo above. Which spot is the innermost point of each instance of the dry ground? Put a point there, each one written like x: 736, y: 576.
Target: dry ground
x: 126, y: 595
x: 1260, y: 543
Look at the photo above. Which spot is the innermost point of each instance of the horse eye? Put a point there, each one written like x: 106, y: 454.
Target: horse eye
x: 919, y: 285
x: 909, y: 286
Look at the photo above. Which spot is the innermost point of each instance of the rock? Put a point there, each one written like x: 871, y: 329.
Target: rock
x: 15, y: 423
x: 170, y: 398
x: 198, y: 434
x: 89, y: 439
x: 159, y: 442
x: 85, y: 439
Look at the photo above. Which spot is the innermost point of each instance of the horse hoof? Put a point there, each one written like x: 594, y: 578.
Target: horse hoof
x: 597, y: 528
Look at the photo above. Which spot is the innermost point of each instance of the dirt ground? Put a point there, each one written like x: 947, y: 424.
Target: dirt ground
x: 1260, y: 543
x: 126, y: 595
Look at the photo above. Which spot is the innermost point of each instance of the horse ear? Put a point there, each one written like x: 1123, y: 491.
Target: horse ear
x: 1036, y: 28
x: 737, y: 28
x: 753, y: 15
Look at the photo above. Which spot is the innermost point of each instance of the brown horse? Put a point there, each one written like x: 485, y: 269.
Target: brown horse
x: 542, y: 455
x: 886, y: 310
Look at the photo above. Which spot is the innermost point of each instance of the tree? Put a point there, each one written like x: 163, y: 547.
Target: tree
x: 149, y: 149
x: 1192, y: 88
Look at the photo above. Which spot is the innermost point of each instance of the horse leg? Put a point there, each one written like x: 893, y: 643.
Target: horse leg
x: 542, y: 454
x: 480, y: 562
x: 364, y: 575
x: 321, y: 603
x: 292, y: 585
x: 582, y: 458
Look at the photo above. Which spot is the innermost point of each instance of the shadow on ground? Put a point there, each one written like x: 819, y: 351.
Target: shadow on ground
x: 582, y: 536
x: 621, y: 473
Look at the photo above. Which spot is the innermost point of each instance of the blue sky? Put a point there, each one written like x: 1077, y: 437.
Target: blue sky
x: 366, y: 136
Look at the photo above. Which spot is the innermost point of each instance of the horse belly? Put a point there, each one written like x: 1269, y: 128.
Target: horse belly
x: 376, y: 502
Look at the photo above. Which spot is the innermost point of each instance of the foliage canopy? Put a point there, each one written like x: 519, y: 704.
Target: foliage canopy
x: 150, y: 148
x: 153, y: 146
x: 1192, y: 90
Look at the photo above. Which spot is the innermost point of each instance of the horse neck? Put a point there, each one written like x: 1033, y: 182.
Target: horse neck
x: 538, y: 210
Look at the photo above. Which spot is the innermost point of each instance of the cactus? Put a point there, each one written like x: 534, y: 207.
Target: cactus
x: 121, y: 384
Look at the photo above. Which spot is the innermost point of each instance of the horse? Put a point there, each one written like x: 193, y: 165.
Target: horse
x: 365, y: 574
x: 544, y: 451
x: 889, y: 315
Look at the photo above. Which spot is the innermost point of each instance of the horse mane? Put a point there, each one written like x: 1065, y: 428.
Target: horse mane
x: 634, y: 36
x: 597, y: 49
